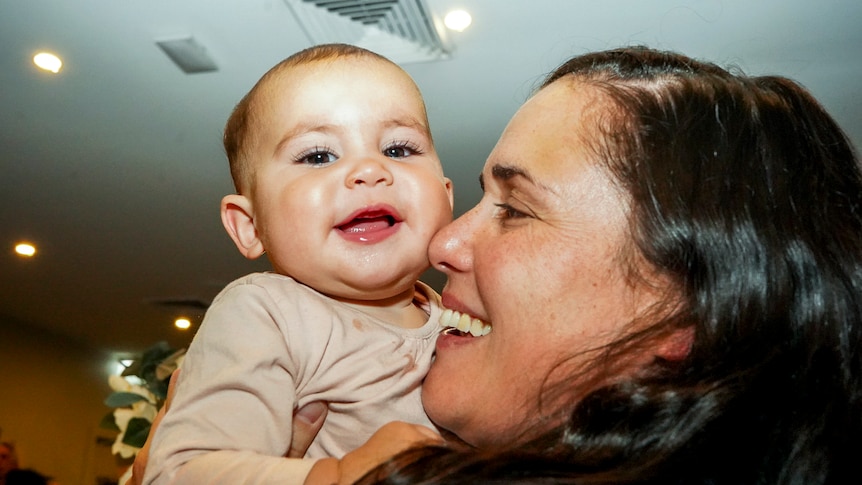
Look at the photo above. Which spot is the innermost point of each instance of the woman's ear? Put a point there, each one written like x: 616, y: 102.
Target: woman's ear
x: 237, y: 215
x: 677, y: 345
x: 448, y: 183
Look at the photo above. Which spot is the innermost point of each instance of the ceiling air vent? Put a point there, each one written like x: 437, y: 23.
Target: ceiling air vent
x: 402, y: 30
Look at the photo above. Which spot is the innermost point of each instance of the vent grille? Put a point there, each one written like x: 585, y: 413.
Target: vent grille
x: 368, y: 12
x: 402, y: 30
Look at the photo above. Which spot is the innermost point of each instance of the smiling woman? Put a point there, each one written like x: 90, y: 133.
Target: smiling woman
x: 528, y: 224
x: 669, y: 259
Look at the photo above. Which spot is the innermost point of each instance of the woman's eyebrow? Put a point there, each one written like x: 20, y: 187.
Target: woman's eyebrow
x: 507, y: 172
x: 504, y: 173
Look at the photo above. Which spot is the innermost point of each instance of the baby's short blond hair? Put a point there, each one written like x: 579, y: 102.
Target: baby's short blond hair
x: 239, y: 131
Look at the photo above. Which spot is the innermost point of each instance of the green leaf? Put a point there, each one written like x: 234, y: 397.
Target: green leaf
x: 108, y: 422
x: 136, y: 432
x: 123, y: 399
x: 152, y: 358
x: 159, y: 388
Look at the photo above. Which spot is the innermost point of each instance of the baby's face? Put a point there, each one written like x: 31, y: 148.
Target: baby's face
x: 347, y: 189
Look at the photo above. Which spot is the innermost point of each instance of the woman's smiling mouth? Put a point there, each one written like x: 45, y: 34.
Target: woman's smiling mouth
x: 463, y: 324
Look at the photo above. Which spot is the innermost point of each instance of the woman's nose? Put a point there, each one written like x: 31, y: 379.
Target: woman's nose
x: 370, y: 172
x: 450, y: 250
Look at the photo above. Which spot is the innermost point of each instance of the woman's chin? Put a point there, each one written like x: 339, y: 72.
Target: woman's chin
x: 452, y: 380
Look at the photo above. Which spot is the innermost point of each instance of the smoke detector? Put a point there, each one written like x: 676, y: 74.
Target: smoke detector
x: 402, y: 30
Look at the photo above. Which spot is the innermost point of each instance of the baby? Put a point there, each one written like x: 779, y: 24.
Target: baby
x: 339, y: 184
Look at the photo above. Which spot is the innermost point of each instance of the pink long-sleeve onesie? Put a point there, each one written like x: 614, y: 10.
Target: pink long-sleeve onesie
x: 267, y: 346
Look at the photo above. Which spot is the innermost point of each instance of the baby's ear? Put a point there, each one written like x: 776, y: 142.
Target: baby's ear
x: 237, y: 215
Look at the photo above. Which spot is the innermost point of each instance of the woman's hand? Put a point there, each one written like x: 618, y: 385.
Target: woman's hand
x: 387, y: 442
x: 306, y: 423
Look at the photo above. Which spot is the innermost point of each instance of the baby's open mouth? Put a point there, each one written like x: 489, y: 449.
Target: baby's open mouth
x: 369, y: 221
x: 368, y: 224
x: 457, y: 323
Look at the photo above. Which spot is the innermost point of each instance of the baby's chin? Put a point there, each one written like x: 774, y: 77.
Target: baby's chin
x: 374, y: 289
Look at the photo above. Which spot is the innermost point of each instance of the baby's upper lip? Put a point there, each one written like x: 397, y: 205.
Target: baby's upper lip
x: 372, y: 212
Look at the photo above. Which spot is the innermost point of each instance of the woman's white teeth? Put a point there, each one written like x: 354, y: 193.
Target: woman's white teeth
x: 479, y: 328
x: 464, y: 323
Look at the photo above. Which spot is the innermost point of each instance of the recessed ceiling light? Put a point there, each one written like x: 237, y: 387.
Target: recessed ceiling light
x: 48, y: 62
x: 182, y: 323
x: 457, y: 20
x: 25, y: 249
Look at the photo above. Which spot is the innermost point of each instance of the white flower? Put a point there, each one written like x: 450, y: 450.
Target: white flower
x: 122, y: 449
x: 133, y: 402
x: 122, y: 384
x: 122, y: 416
x: 142, y: 409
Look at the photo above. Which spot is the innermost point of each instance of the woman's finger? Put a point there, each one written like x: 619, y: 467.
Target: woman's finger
x: 306, y: 423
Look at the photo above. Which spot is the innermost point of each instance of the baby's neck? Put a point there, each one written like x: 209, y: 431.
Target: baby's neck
x: 400, y: 310
x: 410, y: 316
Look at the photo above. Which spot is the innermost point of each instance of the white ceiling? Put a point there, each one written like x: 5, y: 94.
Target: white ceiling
x: 114, y: 166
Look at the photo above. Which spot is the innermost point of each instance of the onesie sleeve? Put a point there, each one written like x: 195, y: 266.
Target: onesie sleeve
x: 231, y: 419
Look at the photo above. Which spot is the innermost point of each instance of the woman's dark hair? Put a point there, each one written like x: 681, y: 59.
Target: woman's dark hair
x: 747, y: 196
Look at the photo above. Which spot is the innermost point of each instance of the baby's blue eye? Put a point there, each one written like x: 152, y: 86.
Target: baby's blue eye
x: 319, y: 157
x: 397, y: 152
x: 401, y: 150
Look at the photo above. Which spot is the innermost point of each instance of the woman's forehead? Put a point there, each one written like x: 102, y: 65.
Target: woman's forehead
x: 548, y: 139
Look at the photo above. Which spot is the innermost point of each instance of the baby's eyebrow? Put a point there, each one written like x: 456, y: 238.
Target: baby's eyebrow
x: 303, y: 128
x: 408, y: 122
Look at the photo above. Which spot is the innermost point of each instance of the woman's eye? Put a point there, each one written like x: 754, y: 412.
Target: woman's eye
x: 506, y: 211
x: 317, y: 157
x: 400, y: 150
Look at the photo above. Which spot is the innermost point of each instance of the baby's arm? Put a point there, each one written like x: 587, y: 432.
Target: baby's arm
x: 230, y: 421
x: 307, y: 422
